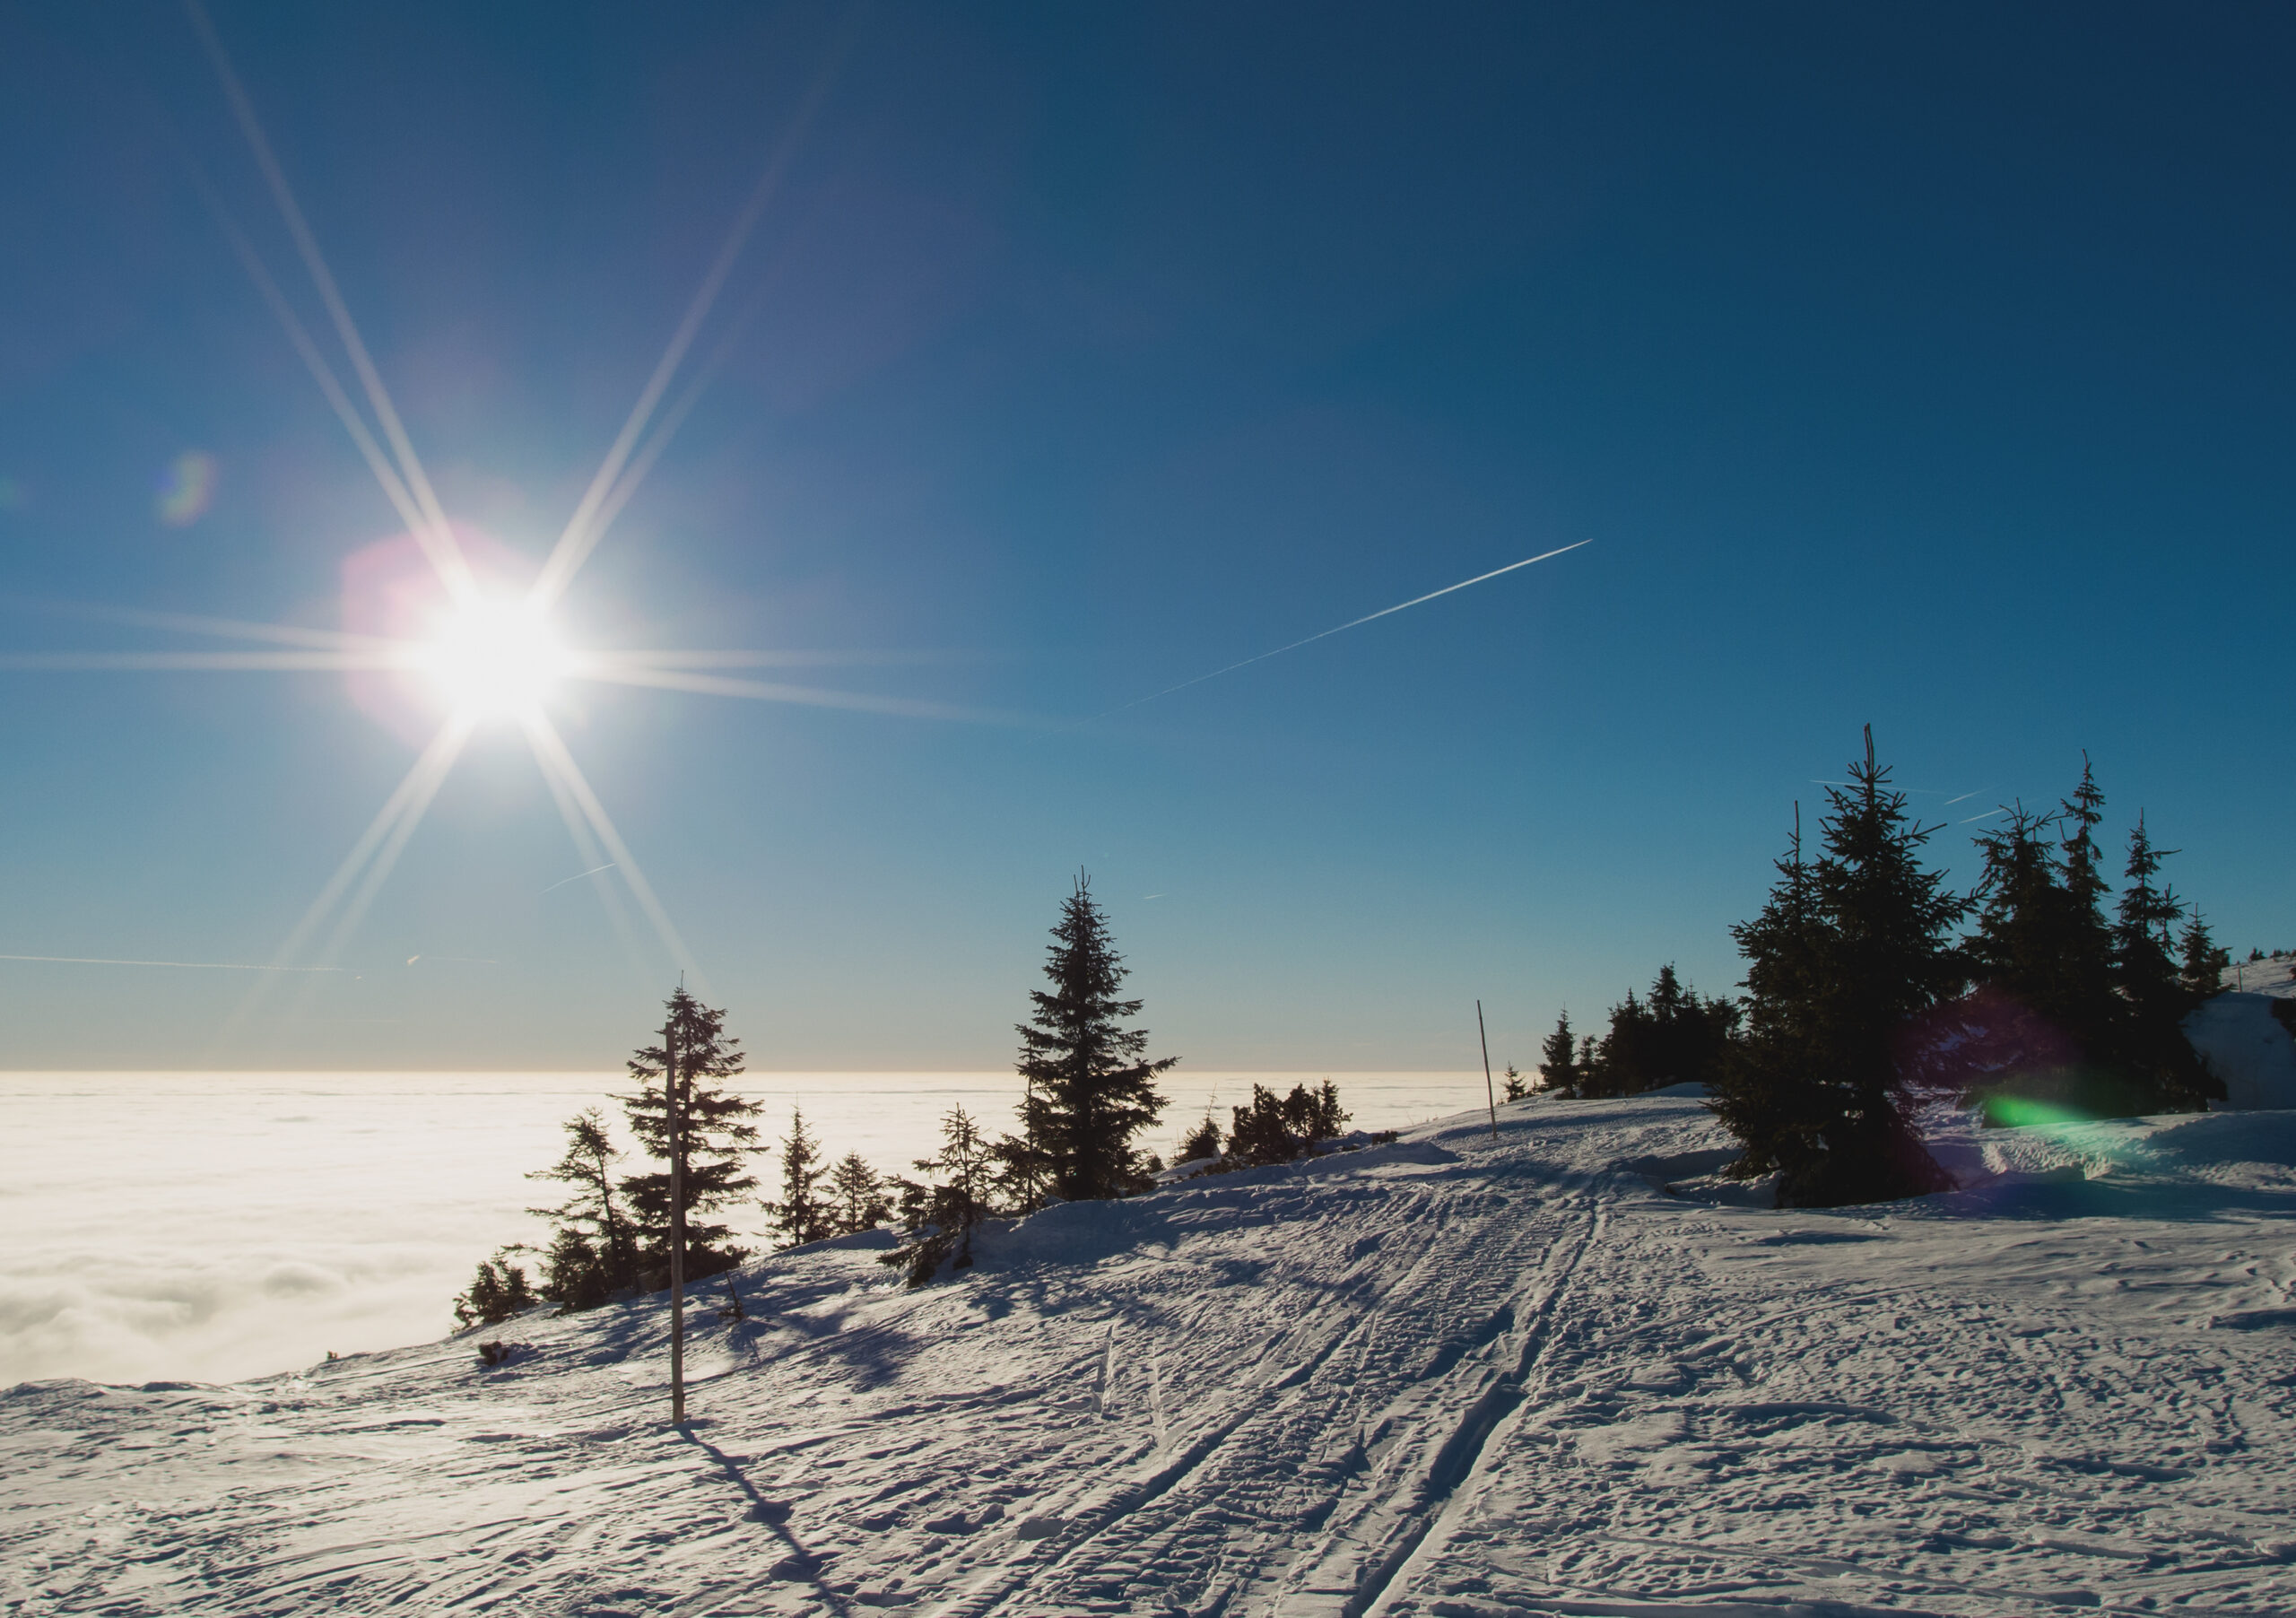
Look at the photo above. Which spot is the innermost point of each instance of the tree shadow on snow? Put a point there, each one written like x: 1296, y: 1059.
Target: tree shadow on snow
x: 802, y: 1562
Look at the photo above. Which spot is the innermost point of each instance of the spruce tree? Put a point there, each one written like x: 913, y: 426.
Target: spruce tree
x: 941, y: 1213
x: 1201, y: 1142
x: 2094, y: 1010
x: 1090, y: 1087
x: 1849, y: 949
x: 1676, y: 1037
x: 1278, y: 1129
x: 2023, y: 905
x: 802, y: 1215
x: 2201, y: 964
x: 498, y: 1291
x: 719, y: 1139
x: 593, y: 1251
x: 2165, y: 1067
x: 1559, y: 1059
x: 856, y: 1196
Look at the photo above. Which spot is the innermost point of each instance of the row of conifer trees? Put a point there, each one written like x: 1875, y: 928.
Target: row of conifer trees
x: 1872, y: 988
x: 1089, y: 1092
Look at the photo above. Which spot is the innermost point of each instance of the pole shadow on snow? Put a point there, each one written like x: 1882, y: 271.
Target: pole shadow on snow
x: 802, y: 1562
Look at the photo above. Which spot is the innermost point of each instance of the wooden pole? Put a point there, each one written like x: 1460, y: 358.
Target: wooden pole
x: 1488, y: 1094
x: 677, y: 1221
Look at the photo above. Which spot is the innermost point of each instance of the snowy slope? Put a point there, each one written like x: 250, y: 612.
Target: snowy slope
x: 1441, y: 1377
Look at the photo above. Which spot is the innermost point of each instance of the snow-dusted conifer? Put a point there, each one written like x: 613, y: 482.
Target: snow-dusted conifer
x: 719, y: 1139
x: 1090, y: 1090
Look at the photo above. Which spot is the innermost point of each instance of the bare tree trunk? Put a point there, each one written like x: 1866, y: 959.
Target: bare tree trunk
x: 677, y: 1222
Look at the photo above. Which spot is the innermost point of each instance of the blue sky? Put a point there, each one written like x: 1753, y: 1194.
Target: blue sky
x: 1929, y: 367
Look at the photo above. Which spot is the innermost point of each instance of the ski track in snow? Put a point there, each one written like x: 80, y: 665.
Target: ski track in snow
x: 1441, y: 1377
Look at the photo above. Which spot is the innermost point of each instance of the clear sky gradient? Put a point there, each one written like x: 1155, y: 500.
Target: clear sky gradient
x: 1925, y: 365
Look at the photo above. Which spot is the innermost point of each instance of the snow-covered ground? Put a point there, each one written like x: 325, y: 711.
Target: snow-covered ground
x: 1445, y: 1375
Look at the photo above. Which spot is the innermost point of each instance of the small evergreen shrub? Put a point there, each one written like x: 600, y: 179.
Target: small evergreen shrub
x: 498, y: 1291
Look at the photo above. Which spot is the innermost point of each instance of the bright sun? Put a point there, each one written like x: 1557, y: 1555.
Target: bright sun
x: 496, y: 659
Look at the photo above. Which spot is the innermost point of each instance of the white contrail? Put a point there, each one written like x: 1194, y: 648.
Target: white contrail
x: 578, y: 876
x: 1350, y: 624
x: 205, y: 966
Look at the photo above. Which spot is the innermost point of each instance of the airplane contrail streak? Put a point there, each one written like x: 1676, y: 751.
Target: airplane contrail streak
x: 578, y: 876
x: 1350, y: 624
x: 205, y: 966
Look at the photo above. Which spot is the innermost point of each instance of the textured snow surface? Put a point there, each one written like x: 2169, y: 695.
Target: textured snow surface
x: 1441, y: 1377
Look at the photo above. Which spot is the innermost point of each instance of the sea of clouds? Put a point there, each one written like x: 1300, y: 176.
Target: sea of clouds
x: 205, y: 1226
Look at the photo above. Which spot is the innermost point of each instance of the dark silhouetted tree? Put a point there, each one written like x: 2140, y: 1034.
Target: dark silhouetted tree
x: 2145, y: 969
x: 1559, y: 1071
x: 498, y: 1291
x: 1090, y: 1087
x: 1674, y: 1038
x: 1518, y: 1084
x: 1276, y: 1129
x: 856, y: 1196
x: 2200, y: 965
x: 1201, y: 1142
x: 802, y: 1215
x: 593, y: 1251
x: 1849, y: 950
x: 940, y: 1214
x: 719, y: 1140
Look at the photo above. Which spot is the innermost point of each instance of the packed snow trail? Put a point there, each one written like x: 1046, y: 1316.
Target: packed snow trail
x: 1444, y: 1377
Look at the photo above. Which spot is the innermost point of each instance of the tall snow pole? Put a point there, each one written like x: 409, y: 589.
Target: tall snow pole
x: 677, y: 1221
x: 1488, y: 1094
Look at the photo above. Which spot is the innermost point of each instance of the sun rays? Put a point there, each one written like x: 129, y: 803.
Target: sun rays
x: 487, y: 655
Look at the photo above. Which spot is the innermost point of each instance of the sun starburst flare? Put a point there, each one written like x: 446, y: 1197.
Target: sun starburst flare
x: 482, y: 656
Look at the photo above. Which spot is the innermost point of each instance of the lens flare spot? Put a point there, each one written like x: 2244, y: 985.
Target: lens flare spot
x: 187, y: 488
x: 496, y: 659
